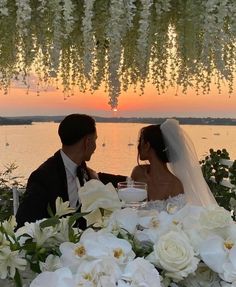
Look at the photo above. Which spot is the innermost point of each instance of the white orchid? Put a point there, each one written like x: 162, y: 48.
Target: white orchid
x: 60, y: 278
x: 96, y: 245
x: 220, y: 255
x: 100, y: 272
x: 153, y: 224
x: 118, y: 221
x: 215, y: 217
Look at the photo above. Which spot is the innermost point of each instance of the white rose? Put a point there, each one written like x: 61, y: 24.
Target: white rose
x: 175, y: 255
x: 215, y: 217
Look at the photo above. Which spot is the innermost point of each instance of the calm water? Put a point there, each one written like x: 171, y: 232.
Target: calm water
x: 29, y: 146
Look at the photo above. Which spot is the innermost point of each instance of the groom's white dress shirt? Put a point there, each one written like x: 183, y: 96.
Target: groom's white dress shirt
x: 72, y: 179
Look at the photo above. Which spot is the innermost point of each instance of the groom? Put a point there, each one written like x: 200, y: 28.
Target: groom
x: 64, y: 173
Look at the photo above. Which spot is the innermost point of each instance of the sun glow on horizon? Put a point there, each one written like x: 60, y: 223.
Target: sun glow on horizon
x: 131, y: 104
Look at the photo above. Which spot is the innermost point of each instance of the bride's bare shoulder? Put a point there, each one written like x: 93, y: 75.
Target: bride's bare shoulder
x: 139, y: 171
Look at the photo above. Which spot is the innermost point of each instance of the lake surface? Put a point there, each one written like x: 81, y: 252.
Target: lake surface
x: 28, y: 146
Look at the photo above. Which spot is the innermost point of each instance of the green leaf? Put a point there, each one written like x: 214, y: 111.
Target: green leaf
x: 35, y: 267
x: 49, y: 210
x: 73, y: 218
x: 17, y: 279
x: 50, y: 222
x: 30, y: 246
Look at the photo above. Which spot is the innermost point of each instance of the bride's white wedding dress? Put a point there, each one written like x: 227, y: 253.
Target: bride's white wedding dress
x: 172, y: 204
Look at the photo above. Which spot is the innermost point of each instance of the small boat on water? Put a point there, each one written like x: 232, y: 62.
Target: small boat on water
x: 103, y: 142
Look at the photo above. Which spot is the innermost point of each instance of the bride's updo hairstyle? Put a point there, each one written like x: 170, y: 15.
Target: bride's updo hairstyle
x: 152, y: 134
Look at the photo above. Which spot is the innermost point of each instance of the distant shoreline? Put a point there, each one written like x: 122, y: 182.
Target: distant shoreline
x: 28, y: 120
x: 16, y: 121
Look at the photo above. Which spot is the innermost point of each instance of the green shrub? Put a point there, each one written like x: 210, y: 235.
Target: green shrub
x: 211, y: 166
x: 7, y: 181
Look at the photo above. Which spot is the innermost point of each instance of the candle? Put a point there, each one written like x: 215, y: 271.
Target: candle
x: 132, y: 194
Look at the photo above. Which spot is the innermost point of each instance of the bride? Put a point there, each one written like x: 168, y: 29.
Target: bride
x: 173, y: 174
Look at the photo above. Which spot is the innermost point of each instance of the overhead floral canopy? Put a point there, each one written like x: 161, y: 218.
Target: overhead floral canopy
x: 118, y: 44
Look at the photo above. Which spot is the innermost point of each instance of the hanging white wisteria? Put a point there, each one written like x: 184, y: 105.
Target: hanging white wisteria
x: 119, y: 44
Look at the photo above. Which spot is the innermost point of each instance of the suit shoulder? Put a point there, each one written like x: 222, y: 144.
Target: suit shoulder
x: 50, y: 165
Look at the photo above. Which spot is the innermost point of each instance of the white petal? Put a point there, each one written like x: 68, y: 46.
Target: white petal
x: 213, y: 254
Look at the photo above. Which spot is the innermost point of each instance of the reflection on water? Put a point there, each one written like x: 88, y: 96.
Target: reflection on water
x: 29, y: 146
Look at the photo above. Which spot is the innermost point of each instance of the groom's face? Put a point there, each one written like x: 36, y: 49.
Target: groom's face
x: 90, y: 141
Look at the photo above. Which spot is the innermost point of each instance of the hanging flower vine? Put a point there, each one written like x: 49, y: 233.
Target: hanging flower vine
x: 118, y: 44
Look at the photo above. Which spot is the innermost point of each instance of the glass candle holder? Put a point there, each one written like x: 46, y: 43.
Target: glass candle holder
x: 132, y: 193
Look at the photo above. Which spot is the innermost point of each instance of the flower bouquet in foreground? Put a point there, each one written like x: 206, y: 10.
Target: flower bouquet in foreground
x: 190, y: 247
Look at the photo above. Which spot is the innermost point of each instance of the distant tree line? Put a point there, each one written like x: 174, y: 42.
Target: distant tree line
x: 150, y: 120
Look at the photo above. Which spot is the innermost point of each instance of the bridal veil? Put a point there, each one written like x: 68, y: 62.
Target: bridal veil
x: 185, y: 165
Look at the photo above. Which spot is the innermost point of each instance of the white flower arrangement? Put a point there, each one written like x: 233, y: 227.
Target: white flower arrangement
x: 127, y: 247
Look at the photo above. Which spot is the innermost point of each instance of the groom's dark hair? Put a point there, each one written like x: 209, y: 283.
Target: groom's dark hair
x: 153, y: 135
x: 74, y: 127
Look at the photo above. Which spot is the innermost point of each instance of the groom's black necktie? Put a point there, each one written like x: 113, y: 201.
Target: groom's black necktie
x: 80, y: 175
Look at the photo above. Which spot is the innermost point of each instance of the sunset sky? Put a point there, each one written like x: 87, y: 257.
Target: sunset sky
x: 18, y: 103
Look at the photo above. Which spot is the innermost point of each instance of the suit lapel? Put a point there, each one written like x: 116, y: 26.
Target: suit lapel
x: 62, y: 180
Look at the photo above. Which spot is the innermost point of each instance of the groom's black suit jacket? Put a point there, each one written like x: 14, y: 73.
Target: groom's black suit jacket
x: 44, y: 185
x: 47, y: 183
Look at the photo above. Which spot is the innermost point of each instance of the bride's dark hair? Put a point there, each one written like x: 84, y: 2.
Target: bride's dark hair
x: 153, y: 135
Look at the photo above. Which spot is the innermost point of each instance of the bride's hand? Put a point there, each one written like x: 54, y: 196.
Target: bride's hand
x: 92, y: 173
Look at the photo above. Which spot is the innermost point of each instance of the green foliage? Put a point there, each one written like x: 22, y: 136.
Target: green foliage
x: 213, y: 168
x: 140, y: 248
x: 232, y: 171
x: 7, y: 181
